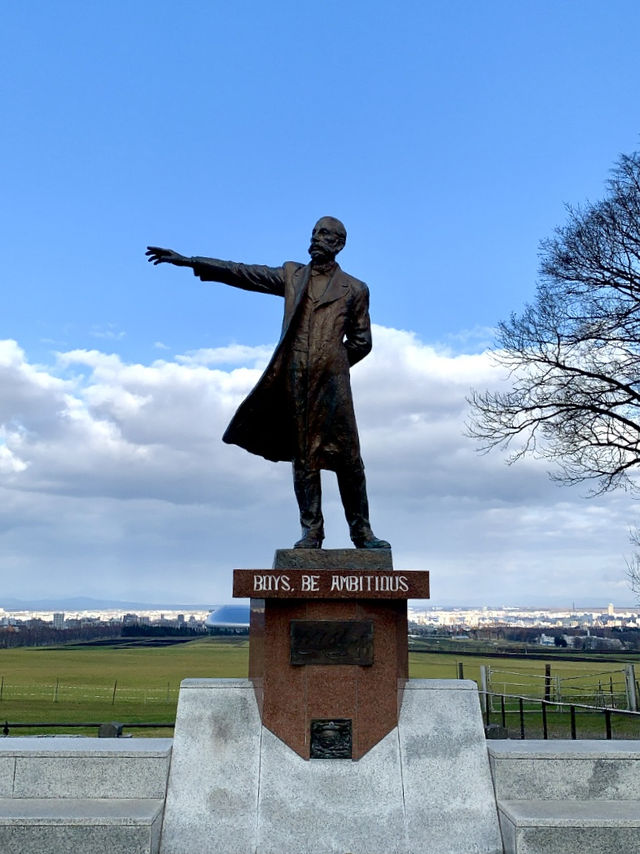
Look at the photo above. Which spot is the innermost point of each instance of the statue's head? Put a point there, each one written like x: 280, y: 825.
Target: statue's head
x: 327, y: 239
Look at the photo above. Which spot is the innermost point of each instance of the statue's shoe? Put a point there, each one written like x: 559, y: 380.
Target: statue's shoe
x: 309, y: 541
x: 370, y: 543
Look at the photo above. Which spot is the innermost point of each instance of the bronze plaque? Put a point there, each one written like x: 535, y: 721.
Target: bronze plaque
x: 332, y: 642
x: 331, y: 739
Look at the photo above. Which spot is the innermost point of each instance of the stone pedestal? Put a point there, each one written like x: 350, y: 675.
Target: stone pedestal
x: 329, y: 667
x: 328, y: 647
x: 425, y: 788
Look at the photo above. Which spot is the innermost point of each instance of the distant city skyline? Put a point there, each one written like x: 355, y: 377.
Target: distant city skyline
x: 426, y: 610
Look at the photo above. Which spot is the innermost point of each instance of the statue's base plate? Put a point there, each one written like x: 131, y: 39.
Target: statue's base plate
x: 369, y: 559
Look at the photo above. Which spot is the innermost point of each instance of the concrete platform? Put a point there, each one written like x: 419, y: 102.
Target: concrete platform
x: 568, y: 797
x: 570, y: 827
x: 77, y: 767
x: 89, y: 795
x: 560, y: 770
x: 90, y: 826
x: 234, y: 788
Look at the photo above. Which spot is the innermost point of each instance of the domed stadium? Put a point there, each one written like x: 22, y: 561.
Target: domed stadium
x: 232, y: 617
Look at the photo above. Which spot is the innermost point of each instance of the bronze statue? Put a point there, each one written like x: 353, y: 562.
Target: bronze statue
x: 301, y: 410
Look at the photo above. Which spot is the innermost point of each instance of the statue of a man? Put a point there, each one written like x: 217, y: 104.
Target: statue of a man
x: 301, y: 410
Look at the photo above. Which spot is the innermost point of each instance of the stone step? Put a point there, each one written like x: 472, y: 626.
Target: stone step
x: 77, y: 767
x: 570, y: 827
x: 561, y: 770
x: 90, y: 826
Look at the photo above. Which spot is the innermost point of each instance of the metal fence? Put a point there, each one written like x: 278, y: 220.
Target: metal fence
x: 111, y: 693
x: 510, y: 706
x: 8, y: 726
x: 527, y: 703
x: 614, y: 689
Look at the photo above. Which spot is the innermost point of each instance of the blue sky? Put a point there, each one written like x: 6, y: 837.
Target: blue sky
x: 447, y: 137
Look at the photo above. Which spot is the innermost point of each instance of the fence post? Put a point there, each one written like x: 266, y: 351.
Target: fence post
x: 55, y: 693
x: 547, y: 682
x: 630, y: 682
x: 460, y: 670
x: 113, y: 696
x: 484, y: 700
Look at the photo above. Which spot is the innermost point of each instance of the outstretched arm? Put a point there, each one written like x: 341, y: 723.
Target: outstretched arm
x: 249, y: 277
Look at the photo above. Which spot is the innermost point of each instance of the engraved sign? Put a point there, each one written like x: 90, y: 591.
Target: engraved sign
x: 331, y: 739
x: 332, y: 642
x: 330, y: 584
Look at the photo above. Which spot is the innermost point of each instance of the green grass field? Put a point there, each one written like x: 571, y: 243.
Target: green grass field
x: 139, y: 683
x: 102, y: 683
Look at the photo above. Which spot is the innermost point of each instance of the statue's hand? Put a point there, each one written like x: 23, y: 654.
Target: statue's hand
x: 157, y: 255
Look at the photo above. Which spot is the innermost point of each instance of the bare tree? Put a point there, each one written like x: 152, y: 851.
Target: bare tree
x: 573, y: 355
x: 633, y: 564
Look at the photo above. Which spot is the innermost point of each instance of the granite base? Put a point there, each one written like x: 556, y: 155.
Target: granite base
x: 235, y: 788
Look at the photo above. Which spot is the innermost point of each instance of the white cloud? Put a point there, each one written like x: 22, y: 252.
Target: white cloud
x: 108, y: 332
x: 473, y: 340
x: 115, y: 480
x: 234, y: 354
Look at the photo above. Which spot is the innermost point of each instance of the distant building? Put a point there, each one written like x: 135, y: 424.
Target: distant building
x: 593, y: 642
x: 58, y: 620
x: 229, y: 617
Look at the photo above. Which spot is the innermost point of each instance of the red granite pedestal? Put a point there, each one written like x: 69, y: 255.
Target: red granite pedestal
x: 328, y: 646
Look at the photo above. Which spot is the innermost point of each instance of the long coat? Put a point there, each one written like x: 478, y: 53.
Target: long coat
x: 302, y: 408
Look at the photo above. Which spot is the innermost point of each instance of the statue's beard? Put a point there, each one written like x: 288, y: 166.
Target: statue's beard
x: 321, y: 252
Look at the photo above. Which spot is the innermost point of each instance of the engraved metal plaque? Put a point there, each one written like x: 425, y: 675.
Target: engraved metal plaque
x: 331, y: 739
x: 332, y: 642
